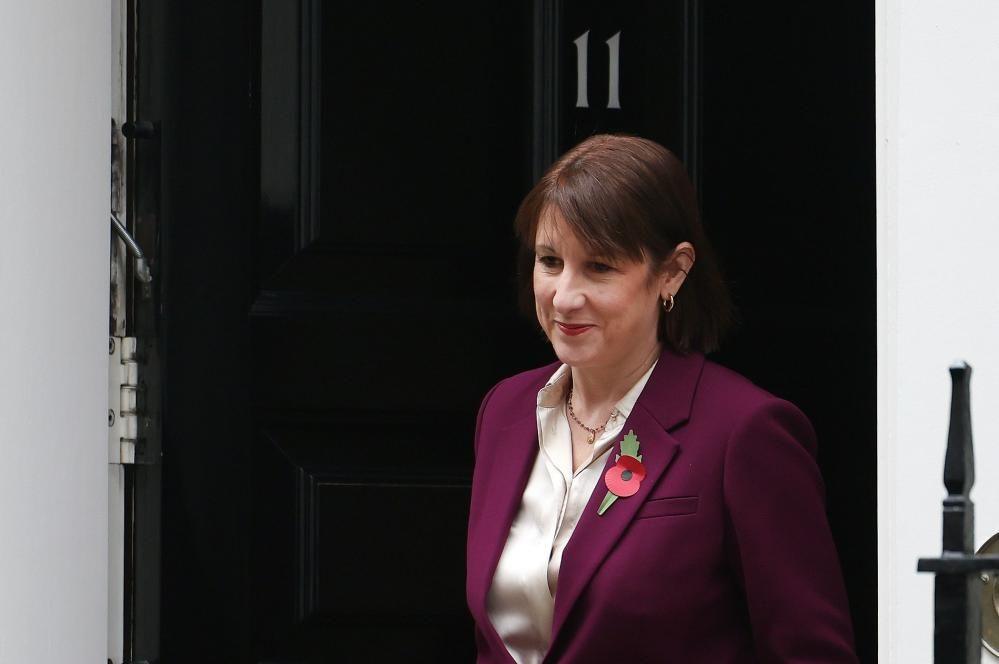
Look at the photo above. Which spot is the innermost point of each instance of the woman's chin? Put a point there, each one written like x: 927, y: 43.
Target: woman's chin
x: 575, y: 355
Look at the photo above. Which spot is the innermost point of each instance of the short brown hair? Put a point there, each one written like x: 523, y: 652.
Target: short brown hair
x: 625, y: 196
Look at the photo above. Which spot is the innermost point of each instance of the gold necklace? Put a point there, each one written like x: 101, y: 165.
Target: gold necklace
x: 592, y: 432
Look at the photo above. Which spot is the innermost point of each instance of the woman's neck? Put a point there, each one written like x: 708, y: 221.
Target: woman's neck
x: 597, y: 389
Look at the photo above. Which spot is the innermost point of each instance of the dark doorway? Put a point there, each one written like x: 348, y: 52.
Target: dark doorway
x: 338, y: 185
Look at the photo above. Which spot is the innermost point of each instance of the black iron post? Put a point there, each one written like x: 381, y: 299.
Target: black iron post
x: 957, y: 630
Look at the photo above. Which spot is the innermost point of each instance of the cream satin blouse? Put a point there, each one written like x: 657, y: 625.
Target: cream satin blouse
x: 522, y: 596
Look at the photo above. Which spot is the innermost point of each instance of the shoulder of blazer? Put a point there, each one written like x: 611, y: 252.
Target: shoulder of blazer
x: 722, y: 383
x: 732, y: 401
x: 725, y: 385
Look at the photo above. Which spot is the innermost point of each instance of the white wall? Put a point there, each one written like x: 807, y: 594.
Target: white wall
x: 938, y: 286
x: 54, y: 192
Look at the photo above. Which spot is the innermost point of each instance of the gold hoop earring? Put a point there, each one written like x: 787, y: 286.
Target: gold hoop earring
x: 668, y: 304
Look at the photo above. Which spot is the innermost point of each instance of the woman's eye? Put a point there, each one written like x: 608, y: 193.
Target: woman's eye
x: 600, y: 267
x: 549, y: 261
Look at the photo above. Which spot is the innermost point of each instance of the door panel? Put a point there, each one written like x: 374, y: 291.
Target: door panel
x: 383, y: 309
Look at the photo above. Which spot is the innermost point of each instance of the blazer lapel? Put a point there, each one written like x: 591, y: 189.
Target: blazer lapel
x: 664, y: 403
x: 511, y: 462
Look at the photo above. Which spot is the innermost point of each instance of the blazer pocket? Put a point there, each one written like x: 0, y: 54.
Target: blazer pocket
x: 656, y: 507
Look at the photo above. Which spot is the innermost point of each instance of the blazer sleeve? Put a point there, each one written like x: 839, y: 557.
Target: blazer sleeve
x: 780, y: 542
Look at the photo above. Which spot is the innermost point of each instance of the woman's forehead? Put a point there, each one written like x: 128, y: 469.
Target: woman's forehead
x: 552, y: 228
x: 554, y: 232
x: 563, y: 241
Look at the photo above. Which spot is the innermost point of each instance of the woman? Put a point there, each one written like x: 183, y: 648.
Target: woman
x: 635, y: 502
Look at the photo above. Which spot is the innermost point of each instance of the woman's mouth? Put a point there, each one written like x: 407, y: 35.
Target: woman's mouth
x: 572, y: 330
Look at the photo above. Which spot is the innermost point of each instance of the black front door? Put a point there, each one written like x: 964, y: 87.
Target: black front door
x: 338, y: 186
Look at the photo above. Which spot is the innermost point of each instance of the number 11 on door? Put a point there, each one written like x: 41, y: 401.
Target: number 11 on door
x: 614, y: 70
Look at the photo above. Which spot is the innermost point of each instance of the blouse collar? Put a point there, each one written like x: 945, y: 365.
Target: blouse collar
x: 553, y: 394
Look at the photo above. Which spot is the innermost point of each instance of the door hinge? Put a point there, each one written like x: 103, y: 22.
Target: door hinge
x: 123, y: 401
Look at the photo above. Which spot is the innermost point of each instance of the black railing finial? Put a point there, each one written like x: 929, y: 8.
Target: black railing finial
x: 957, y: 630
x: 959, y: 465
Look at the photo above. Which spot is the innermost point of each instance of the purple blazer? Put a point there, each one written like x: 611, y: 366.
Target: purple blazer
x: 723, y: 556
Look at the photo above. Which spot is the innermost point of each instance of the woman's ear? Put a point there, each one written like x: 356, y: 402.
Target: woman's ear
x: 675, y: 269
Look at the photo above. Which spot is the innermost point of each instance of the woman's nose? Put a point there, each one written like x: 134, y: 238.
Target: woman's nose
x: 569, y: 294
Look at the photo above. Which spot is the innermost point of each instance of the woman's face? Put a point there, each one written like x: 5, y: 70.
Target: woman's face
x: 596, y: 311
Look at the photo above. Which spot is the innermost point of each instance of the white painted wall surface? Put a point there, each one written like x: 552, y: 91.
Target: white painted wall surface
x: 54, y: 192
x: 938, y: 286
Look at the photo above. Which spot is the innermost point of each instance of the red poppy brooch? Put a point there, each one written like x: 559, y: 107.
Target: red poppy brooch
x: 625, y: 477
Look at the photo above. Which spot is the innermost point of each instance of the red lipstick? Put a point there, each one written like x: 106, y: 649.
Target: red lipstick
x: 572, y: 330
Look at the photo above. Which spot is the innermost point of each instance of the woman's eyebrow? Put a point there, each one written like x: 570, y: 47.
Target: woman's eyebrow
x: 544, y: 249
